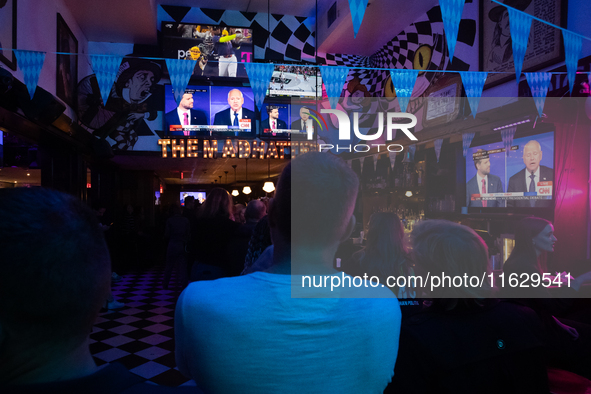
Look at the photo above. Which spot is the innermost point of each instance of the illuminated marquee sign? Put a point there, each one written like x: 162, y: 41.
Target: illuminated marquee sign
x: 242, y: 149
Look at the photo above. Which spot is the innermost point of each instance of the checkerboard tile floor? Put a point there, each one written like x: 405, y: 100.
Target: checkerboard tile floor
x: 141, y: 335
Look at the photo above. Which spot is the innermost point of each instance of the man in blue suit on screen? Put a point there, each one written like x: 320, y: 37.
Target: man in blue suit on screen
x: 185, y: 115
x: 483, y: 182
x: 273, y: 122
x: 527, y: 180
x: 232, y: 116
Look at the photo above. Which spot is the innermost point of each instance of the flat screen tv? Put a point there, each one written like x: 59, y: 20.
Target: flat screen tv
x: 199, y: 196
x: 295, y: 81
x: 282, y: 121
x: 524, y: 178
x: 207, y: 111
x: 219, y: 50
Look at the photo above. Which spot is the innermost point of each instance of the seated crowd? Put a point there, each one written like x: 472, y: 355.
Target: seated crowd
x: 247, y: 323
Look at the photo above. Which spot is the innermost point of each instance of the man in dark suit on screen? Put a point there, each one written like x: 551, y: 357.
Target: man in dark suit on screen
x: 185, y: 115
x: 304, y: 123
x: 232, y: 116
x: 528, y: 179
x: 483, y: 182
x: 273, y: 122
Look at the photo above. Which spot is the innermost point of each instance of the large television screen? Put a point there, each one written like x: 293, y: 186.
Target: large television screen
x: 210, y: 111
x: 522, y: 179
x: 295, y: 81
x: 219, y: 50
x: 199, y: 196
x: 286, y: 121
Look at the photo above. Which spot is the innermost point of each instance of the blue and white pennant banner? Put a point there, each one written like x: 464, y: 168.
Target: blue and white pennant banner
x: 357, y: 8
x: 572, y: 51
x: 473, y: 84
x: 451, y: 14
x: 259, y: 75
x: 404, y: 83
x: 180, y: 71
x: 105, y: 68
x: 507, y: 135
x: 30, y: 63
x: 438, y: 143
x: 539, y: 84
x: 466, y: 141
x: 520, y: 24
x: 334, y: 78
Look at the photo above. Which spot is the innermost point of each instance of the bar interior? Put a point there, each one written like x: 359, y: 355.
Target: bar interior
x: 329, y: 196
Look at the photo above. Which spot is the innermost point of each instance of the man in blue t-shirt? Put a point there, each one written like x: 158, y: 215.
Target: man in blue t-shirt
x: 270, y: 332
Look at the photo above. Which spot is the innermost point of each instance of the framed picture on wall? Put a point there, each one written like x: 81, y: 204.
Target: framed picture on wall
x: 544, y: 47
x: 8, y: 32
x: 66, y: 65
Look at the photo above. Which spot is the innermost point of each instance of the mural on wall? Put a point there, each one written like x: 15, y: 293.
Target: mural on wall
x: 421, y: 46
x: 274, y: 37
x: 134, y: 101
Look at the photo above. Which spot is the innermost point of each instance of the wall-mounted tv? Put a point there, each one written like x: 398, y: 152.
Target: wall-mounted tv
x: 295, y: 81
x: 210, y: 111
x: 283, y: 121
x: 219, y: 50
x: 199, y: 196
x: 522, y: 179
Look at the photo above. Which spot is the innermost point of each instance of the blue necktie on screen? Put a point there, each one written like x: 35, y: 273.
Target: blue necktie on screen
x: 532, y: 188
x: 235, y: 119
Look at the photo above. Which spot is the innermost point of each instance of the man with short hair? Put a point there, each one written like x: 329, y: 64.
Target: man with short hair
x: 185, y: 115
x: 304, y: 123
x: 56, y: 275
x: 233, y: 115
x: 248, y: 334
x: 273, y: 122
x: 255, y: 211
x: 528, y: 179
x: 483, y: 182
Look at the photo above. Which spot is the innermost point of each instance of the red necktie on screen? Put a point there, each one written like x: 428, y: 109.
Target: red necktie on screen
x: 484, y: 192
x: 186, y: 123
x: 273, y: 125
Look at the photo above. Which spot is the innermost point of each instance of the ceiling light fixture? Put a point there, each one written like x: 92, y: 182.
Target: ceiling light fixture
x: 269, y: 187
x: 235, y: 193
x: 246, y: 190
x: 408, y: 193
